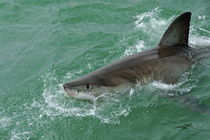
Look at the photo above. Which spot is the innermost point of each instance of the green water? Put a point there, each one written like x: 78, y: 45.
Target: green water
x: 45, y: 43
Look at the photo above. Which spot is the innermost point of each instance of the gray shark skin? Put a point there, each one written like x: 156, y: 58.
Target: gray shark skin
x: 166, y: 63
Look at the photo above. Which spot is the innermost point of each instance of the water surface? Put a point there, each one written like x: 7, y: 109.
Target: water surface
x: 44, y: 44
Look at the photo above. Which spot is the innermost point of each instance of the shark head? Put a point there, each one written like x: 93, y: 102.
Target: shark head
x: 82, y: 91
x: 87, y: 88
x: 91, y: 86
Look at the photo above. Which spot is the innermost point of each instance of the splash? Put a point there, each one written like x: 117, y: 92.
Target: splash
x: 20, y: 135
x: 134, y: 49
x: 4, y: 121
x: 199, y: 41
x: 57, y: 103
x: 151, y: 21
x: 152, y: 26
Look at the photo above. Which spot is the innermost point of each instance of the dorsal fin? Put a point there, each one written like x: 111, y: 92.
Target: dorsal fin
x: 178, y: 32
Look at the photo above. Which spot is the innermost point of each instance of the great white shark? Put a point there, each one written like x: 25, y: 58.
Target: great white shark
x: 167, y: 62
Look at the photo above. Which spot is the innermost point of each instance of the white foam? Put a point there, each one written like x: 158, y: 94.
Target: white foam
x: 150, y: 21
x: 20, y: 135
x: 134, y: 49
x: 164, y: 86
x: 198, y: 40
x: 145, y: 16
x: 150, y: 24
x: 201, y: 17
x: 4, y: 121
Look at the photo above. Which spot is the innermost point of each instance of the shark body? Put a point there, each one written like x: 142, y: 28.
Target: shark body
x: 166, y: 63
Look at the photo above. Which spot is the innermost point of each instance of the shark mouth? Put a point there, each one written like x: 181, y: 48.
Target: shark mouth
x: 80, y: 95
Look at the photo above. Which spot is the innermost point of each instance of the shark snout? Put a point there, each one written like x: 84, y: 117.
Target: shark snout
x: 65, y: 86
x: 69, y: 90
x: 68, y: 86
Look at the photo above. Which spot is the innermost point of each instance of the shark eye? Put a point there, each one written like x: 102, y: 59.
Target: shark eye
x: 88, y: 86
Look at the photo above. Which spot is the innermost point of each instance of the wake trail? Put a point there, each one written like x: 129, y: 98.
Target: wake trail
x: 201, y: 53
x: 192, y: 103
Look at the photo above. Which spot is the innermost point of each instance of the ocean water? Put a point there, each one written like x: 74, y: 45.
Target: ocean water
x: 45, y: 43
